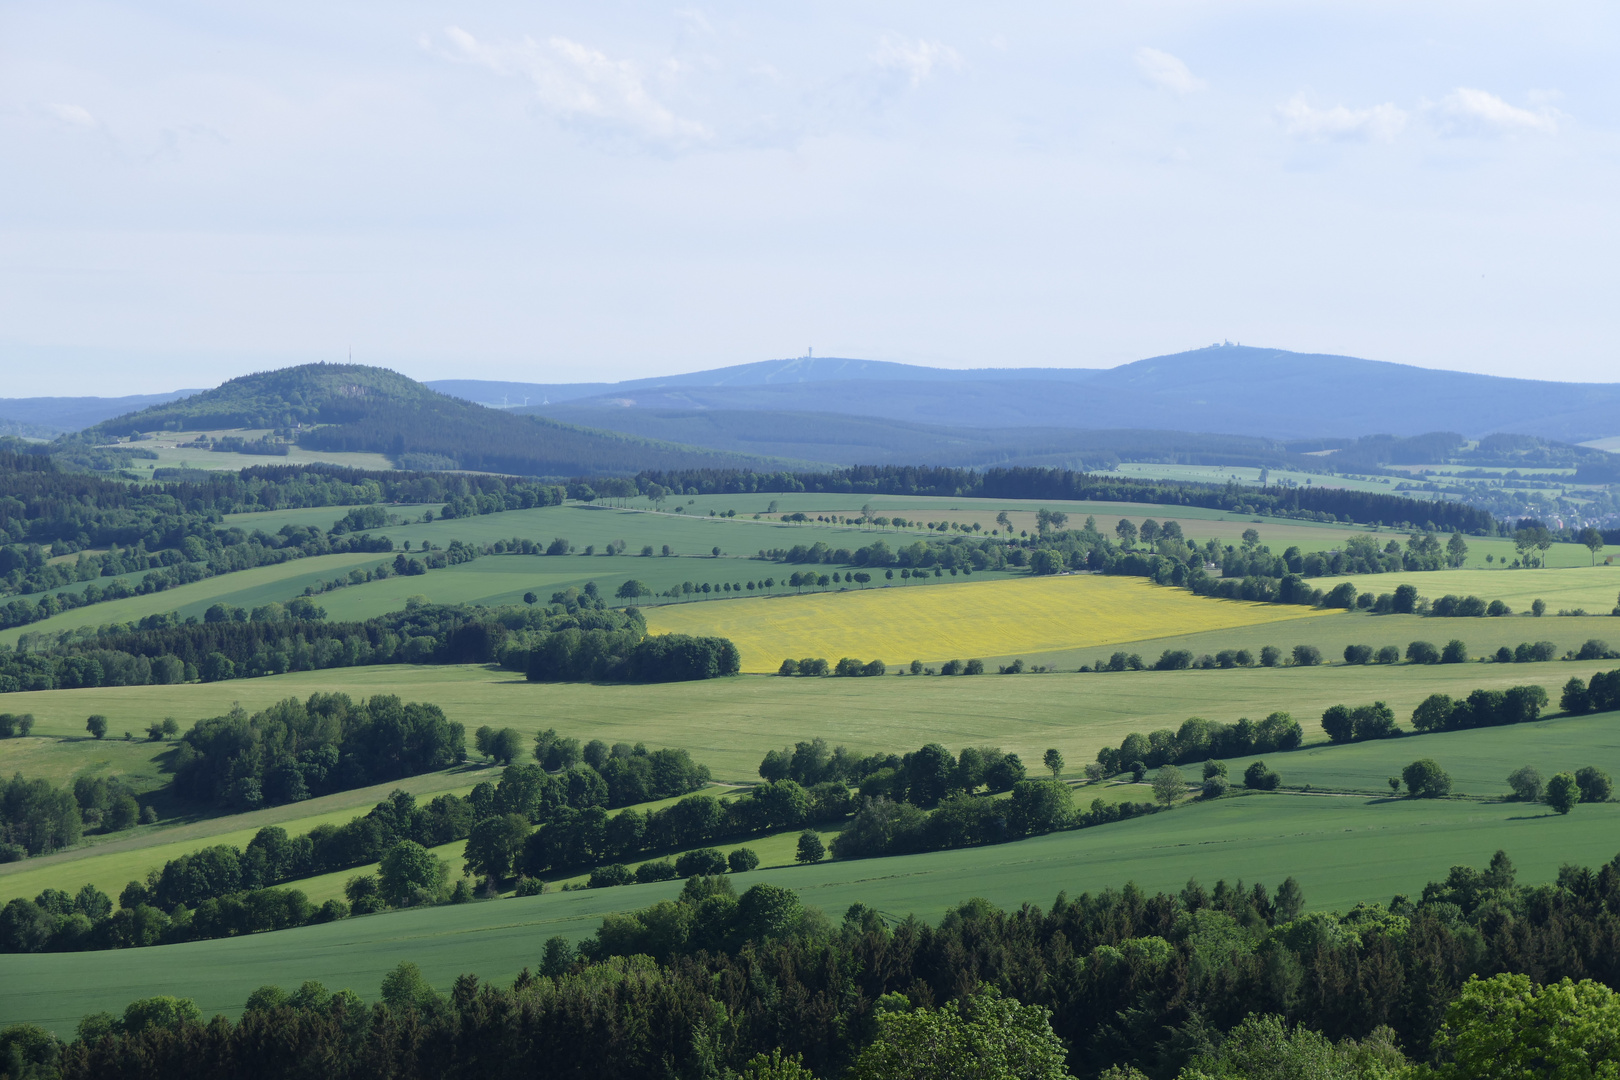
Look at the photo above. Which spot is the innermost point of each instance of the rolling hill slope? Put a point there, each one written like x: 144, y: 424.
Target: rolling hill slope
x: 351, y: 407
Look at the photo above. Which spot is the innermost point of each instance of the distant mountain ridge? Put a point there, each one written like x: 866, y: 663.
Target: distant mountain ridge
x: 1269, y: 394
x: 46, y: 416
x: 1227, y: 389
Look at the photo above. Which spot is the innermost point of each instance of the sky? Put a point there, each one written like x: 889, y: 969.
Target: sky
x: 596, y: 191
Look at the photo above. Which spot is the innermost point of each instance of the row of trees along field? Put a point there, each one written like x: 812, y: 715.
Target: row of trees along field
x: 547, y: 643
x: 1464, y: 981
x: 222, y: 891
x: 1248, y: 571
x: 1312, y: 503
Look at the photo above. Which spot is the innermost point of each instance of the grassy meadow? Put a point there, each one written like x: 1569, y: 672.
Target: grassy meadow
x: 729, y: 724
x: 693, y: 535
x: 938, y: 622
x: 1478, y: 761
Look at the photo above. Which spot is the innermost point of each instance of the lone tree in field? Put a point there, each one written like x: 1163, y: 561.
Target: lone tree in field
x: 1426, y: 780
x: 811, y: 849
x: 1593, y: 540
x: 1054, y: 761
x: 1169, y: 784
x: 1259, y: 778
x: 1526, y: 784
x: 96, y: 725
x: 1594, y: 784
x: 1563, y: 792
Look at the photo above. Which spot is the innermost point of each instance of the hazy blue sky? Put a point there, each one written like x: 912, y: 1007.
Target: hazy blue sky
x: 604, y: 190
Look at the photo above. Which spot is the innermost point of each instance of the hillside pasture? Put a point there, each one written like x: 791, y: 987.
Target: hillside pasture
x: 170, y: 454
x: 938, y: 622
x: 245, y: 588
x: 1594, y: 588
x: 1342, y: 850
x: 110, y: 861
x: 1478, y: 761
x: 1482, y: 636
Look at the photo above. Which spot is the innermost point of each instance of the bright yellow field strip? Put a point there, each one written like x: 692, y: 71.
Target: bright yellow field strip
x: 941, y: 622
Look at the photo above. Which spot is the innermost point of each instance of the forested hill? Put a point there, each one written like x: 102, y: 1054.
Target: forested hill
x: 352, y: 407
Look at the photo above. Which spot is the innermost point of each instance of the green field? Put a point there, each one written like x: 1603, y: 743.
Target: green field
x: 1595, y: 588
x: 1341, y: 850
x: 246, y: 588
x: 728, y: 724
x: 1243, y: 474
x: 170, y: 454
x: 1478, y: 762
x: 693, y: 535
x: 110, y: 861
x: 1332, y: 633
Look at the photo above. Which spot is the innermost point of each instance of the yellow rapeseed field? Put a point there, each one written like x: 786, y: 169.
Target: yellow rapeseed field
x: 942, y: 622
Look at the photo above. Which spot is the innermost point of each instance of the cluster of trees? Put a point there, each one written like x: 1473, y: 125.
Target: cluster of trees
x: 37, y: 818
x: 922, y: 778
x: 222, y: 890
x: 809, y: 667
x: 633, y: 774
x: 883, y: 826
x: 298, y: 749
x: 574, y: 831
x: 581, y: 642
x: 626, y: 655
x: 55, y: 922
x: 1481, y: 708
x: 1467, y: 980
x: 1198, y: 740
x: 1565, y: 790
x: 1451, y: 606
x: 1602, y: 694
x: 16, y: 726
x: 958, y: 553
x: 1345, y: 724
x: 1528, y: 652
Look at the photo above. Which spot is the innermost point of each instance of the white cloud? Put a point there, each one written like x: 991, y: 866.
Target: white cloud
x: 916, y: 59
x: 1465, y: 111
x: 1303, y: 121
x: 1167, y: 71
x: 77, y: 115
x: 578, y: 84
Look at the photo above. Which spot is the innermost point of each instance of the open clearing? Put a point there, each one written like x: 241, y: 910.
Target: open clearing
x: 1341, y: 850
x: 939, y: 622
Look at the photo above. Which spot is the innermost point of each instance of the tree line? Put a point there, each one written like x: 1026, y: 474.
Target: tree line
x: 578, y: 643
x: 1336, y: 504
x: 223, y: 891
x: 37, y: 817
x: 296, y: 750
x: 1209, y: 980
